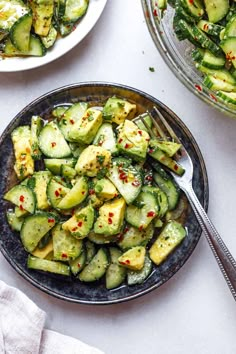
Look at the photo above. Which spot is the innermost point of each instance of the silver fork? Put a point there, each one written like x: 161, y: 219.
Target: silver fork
x: 223, y: 256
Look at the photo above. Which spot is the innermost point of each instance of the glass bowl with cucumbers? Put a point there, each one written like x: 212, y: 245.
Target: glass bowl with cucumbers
x: 34, y: 33
x: 89, y: 211
x: 197, y: 40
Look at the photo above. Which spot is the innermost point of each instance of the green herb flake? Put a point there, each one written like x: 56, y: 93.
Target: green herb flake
x: 100, y: 159
x: 151, y: 68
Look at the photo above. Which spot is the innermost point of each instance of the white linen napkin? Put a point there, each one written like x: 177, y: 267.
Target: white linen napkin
x: 22, y: 328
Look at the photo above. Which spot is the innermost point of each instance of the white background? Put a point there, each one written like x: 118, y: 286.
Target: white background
x: 194, y: 312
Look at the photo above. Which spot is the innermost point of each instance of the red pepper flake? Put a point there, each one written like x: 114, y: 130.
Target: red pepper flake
x: 115, y: 195
x: 91, y: 191
x: 64, y: 255
x: 126, y: 229
x: 74, y: 229
x: 21, y: 207
x: 140, y: 228
x: 150, y: 151
x: 190, y: 1
x: 78, y: 265
x: 140, y: 132
x: 135, y: 184
x: 205, y: 27
x: 148, y: 139
x: 51, y: 220
x: 72, y: 121
x: 122, y: 176
x: 120, y: 140
x: 213, y: 97
x: 22, y: 198
x: 80, y: 223
x: 53, y: 144
x: 149, y: 178
x: 109, y: 220
x: 127, y: 146
x: 176, y: 167
x: 155, y: 12
x: 127, y: 261
x: 198, y: 87
x: 150, y: 214
x: 111, y: 214
x: 27, y: 150
x: 57, y: 194
x: 83, y: 192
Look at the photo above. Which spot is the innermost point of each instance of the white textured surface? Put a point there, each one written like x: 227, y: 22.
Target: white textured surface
x: 194, y: 312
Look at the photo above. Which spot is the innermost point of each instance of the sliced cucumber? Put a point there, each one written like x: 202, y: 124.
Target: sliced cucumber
x: 36, y: 127
x: 48, y: 266
x: 14, y: 222
x: 228, y: 97
x: 229, y: 47
x: 54, y: 165
x: 211, y: 61
x: 169, y: 187
x: 21, y: 196
x: 40, y: 181
x: 96, y: 267
x: 216, y: 9
x: 56, y: 192
x: 77, y: 264
x: 169, y: 147
x: 35, y: 227
x: 76, y: 195
x: 161, y: 199
x: 42, y: 15
x: 115, y: 273
x: 105, y: 137
x: 156, y: 153
x: 127, y: 180
x: 90, y: 250
x: 134, y: 237
x: 139, y: 276
x: 50, y: 39
x: 99, y: 239
x: 36, y: 48
x: 143, y: 211
x: 74, y: 10
x: 210, y: 28
x: 65, y: 246
x: 20, y: 32
x: 52, y: 142
x: 194, y: 8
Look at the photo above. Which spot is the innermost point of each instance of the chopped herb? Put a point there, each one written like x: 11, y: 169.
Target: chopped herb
x: 102, y: 173
x: 100, y: 159
x: 151, y: 69
x: 90, y: 118
x: 120, y: 104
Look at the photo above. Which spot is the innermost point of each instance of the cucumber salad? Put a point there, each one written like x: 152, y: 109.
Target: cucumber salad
x: 210, y: 25
x: 93, y: 200
x: 31, y: 27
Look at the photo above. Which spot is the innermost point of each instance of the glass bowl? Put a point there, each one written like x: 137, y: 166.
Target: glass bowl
x: 177, y: 55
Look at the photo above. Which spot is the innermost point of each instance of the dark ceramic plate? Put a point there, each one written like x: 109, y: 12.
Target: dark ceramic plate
x: 70, y: 289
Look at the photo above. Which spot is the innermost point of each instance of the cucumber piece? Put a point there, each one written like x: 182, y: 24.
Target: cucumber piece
x: 115, y: 273
x: 210, y: 28
x: 68, y: 172
x: 20, y: 32
x: 74, y: 10
x: 66, y: 29
x: 52, y: 142
x: 65, y: 246
x: 20, y: 212
x: 36, y: 48
x: 194, y: 8
x: 143, y: 211
x: 156, y: 153
x: 229, y: 47
x: 21, y: 196
x: 36, y: 127
x: 96, y: 267
x: 14, y: 222
x: 139, y: 276
x: 181, y: 13
x: 40, y: 181
x: 90, y: 250
x: 216, y: 9
x: 47, y: 266
x: 54, y: 165
x: 227, y: 97
x: 230, y: 29
x: 134, y: 237
x: 35, y: 227
x: 58, y: 111
x: 216, y: 84
x: 99, y: 239
x: 73, y: 114
x: 169, y: 187
x: 77, y: 264
x: 161, y: 199
x: 50, y: 39
x: 76, y: 195
x: 56, y: 192
x: 77, y: 149
x: 169, y: 238
x: 42, y: 15
x: 205, y: 41
x: 211, y: 61
x: 184, y: 30
x: 11, y: 11
x: 105, y: 137
x: 140, y: 124
x: 127, y: 180
x: 169, y: 147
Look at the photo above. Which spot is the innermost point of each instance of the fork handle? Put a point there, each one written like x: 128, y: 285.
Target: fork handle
x: 223, y: 256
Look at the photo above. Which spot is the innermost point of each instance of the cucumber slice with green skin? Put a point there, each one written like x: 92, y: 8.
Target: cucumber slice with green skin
x: 68, y: 172
x: 50, y: 39
x: 140, y: 124
x: 183, y: 30
x: 96, y: 267
x: 11, y: 11
x: 36, y: 48
x: 134, y: 237
x: 216, y: 9
x: 73, y: 114
x: 35, y: 227
x: 74, y: 10
x: 65, y: 246
x: 56, y: 192
x: 127, y: 180
x: 20, y: 213
x: 205, y: 41
x: 194, y: 8
x: 165, y: 160
x: 90, y: 250
x: 211, y: 61
x: 42, y: 15
x: 39, y: 182
x: 143, y: 212
x: 169, y: 238
x: 76, y: 195
x: 58, y: 111
x: 161, y: 199
x: 228, y: 97
x: 169, y: 147
x: 230, y: 29
x: 54, y: 165
x: 221, y: 74
x: 168, y: 186
x: 77, y: 264
x: 47, y: 266
x: 14, y: 222
x: 105, y: 137
x: 139, y: 276
x: 101, y: 239
x: 52, y: 142
x: 76, y: 149
x: 115, y: 273
x: 22, y: 196
x: 229, y: 47
x: 216, y: 84
x: 66, y: 28
x: 197, y: 54
x: 181, y: 13
x: 37, y: 124
x: 20, y: 32
x: 210, y: 28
